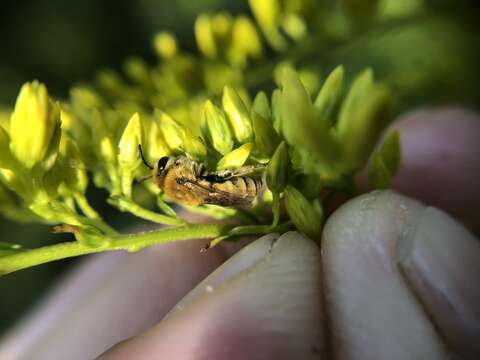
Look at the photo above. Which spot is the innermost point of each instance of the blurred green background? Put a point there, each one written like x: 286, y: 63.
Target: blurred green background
x: 427, y: 50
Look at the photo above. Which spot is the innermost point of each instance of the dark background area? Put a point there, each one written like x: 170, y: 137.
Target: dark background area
x: 430, y: 59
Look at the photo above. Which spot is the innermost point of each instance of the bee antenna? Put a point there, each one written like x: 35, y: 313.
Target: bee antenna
x: 143, y: 157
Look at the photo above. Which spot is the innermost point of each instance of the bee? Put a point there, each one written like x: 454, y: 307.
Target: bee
x: 188, y: 182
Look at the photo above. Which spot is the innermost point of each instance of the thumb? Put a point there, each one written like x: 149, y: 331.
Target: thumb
x: 263, y: 303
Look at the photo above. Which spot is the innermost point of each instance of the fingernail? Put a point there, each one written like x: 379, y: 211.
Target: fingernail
x: 441, y: 261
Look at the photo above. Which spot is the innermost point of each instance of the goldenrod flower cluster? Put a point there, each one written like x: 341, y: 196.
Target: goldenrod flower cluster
x: 311, y: 135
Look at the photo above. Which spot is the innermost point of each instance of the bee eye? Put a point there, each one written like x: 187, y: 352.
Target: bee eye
x: 162, y: 163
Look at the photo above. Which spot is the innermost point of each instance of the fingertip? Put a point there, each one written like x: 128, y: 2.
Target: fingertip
x: 263, y: 303
x: 372, y: 313
x: 439, y: 166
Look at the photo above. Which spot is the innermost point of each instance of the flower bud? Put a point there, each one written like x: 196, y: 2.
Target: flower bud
x: 378, y: 174
x: 235, y: 158
x: 103, y: 138
x: 165, y: 45
x: 205, y: 37
x: 266, y: 139
x: 194, y: 146
x: 156, y: 145
x: 76, y: 178
x: 137, y: 70
x: 6, y: 159
x: 128, y: 146
x: 219, y: 133
x: 171, y: 130
x: 330, y: 95
x: 261, y: 106
x: 300, y: 125
x: 245, y: 41
x: 277, y: 110
x: 277, y: 170
x: 52, y: 151
x: 267, y: 13
x: 33, y: 124
x: 362, y: 118
x: 303, y: 214
x: 391, y: 152
x: 237, y: 114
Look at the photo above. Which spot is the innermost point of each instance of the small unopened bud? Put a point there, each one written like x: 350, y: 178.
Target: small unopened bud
x: 137, y: 70
x: 33, y: 124
x: 171, y: 130
x: 6, y: 159
x: 245, y: 41
x: 219, y: 133
x: 128, y: 145
x: 261, y: 106
x: 266, y: 139
x: 378, y: 174
x: 267, y: 13
x: 237, y: 114
x: 156, y: 145
x: 75, y: 176
x: 362, y: 118
x: 165, y: 44
x: 303, y: 214
x: 330, y: 95
x: 205, y: 37
x: 277, y: 170
x: 235, y: 158
x: 299, y: 122
x: 194, y: 145
x: 391, y: 152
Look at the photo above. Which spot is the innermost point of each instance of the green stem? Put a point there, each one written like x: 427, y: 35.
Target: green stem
x: 130, y: 242
x: 94, y: 217
x: 276, y: 209
x: 127, y: 205
x: 86, y: 208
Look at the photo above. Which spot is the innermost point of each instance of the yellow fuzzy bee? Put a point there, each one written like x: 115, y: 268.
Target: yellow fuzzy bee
x: 187, y: 181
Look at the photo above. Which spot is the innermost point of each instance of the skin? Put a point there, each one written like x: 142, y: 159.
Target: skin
x: 395, y: 277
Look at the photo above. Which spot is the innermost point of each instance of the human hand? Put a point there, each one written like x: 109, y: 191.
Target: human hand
x: 394, y: 279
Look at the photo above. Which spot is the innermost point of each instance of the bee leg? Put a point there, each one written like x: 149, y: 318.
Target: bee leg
x: 200, y: 170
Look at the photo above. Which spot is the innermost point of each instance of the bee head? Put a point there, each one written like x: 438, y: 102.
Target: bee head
x: 161, y: 165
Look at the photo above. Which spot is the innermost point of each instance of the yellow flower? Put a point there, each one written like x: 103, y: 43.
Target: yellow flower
x: 33, y: 124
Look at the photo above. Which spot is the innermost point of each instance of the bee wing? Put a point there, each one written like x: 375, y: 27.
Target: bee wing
x: 216, y: 196
x: 248, y: 170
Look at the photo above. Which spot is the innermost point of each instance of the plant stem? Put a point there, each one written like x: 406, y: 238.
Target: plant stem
x: 127, y: 205
x: 129, y: 242
x: 93, y: 215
